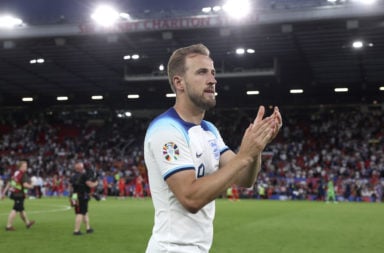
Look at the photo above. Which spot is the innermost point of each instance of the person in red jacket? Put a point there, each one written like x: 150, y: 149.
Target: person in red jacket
x: 121, y: 184
x: 139, y: 187
x: 17, y: 186
x: 105, y: 187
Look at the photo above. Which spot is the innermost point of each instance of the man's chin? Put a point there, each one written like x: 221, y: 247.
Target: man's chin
x: 209, y: 105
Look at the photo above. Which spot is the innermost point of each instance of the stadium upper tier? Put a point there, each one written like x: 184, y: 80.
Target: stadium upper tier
x: 293, y: 52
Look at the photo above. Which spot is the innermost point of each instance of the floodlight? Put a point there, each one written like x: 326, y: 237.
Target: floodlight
x: 253, y: 92
x: 8, y: 21
x: 240, y: 51
x: 206, y: 9
x: 125, y: 16
x: 237, y: 9
x: 133, y: 96
x: 62, y: 98
x: 216, y: 8
x: 97, y: 97
x: 341, y: 89
x: 105, y: 15
x: 296, y: 91
x: 357, y: 44
x: 27, y: 99
x: 367, y: 1
x: 135, y: 56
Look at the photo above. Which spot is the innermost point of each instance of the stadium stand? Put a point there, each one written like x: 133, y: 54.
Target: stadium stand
x: 316, y: 144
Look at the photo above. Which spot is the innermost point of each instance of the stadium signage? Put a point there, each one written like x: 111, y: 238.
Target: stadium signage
x: 193, y: 22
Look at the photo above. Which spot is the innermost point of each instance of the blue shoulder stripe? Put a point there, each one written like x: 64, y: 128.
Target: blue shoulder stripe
x: 208, y: 126
x: 170, y: 118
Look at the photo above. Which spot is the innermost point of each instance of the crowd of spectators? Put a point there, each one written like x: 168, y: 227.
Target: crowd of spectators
x: 52, y: 142
x: 343, y: 144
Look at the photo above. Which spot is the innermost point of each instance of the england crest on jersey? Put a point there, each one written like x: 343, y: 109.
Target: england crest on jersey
x: 215, y: 149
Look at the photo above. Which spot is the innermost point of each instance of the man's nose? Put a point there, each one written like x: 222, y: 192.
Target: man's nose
x: 212, y: 80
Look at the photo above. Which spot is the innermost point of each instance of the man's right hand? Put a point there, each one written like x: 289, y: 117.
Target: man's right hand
x: 258, y: 134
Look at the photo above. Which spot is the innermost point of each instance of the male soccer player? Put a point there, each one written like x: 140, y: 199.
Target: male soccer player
x: 189, y: 164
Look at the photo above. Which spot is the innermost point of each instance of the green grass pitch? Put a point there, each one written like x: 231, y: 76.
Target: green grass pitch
x: 244, y: 226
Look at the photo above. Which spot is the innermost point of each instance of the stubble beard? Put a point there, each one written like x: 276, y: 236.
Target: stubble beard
x: 201, y: 102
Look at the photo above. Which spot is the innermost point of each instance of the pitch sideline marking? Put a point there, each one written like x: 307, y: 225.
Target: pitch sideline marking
x: 61, y: 209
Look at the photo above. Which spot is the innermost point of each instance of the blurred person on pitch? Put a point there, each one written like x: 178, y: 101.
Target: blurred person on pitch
x: 39, y: 186
x: 80, y: 188
x: 188, y: 163
x: 18, y: 186
x: 1, y: 186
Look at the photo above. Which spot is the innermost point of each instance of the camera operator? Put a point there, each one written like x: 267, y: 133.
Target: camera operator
x: 81, y: 185
x: 93, y: 176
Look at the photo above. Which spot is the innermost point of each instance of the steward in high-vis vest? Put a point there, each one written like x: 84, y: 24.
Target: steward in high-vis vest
x: 17, y: 189
x: 18, y: 186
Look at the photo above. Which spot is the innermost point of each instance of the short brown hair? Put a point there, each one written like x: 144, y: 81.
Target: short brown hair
x: 21, y: 163
x: 176, y: 63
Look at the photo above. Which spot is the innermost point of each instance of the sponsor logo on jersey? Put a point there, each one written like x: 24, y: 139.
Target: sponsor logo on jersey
x: 198, y: 155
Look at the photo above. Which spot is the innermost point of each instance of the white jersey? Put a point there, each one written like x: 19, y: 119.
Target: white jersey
x: 172, y: 145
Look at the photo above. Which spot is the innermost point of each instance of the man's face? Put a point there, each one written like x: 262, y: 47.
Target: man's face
x: 79, y: 167
x: 23, y: 166
x: 200, y: 81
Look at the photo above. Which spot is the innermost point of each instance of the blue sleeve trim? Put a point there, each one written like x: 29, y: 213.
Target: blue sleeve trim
x: 175, y: 171
x: 224, y: 150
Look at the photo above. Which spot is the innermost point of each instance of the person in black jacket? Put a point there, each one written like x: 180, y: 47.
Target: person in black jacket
x: 81, y: 184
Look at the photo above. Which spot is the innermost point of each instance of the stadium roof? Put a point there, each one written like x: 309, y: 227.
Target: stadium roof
x: 307, y: 46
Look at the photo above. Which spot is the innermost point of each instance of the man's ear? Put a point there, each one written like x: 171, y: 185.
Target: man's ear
x: 178, y: 83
